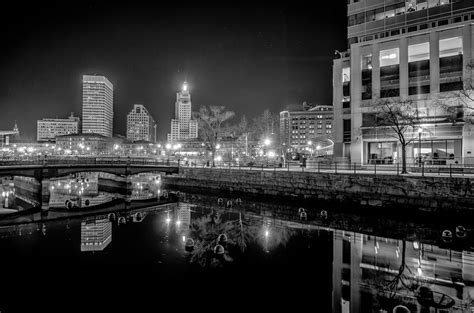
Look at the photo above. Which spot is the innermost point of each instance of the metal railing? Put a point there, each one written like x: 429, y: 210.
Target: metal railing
x: 435, y: 167
x: 344, y: 167
x: 76, y: 160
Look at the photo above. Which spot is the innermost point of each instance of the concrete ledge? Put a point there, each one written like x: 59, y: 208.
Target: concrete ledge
x: 432, y: 193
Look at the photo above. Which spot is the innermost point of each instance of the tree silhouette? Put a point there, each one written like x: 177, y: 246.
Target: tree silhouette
x: 210, y: 120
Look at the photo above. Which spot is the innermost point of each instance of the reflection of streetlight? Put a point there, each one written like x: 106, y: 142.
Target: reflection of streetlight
x: 420, y: 130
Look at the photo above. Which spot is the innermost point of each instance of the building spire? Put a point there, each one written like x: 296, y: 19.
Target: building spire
x: 15, y: 128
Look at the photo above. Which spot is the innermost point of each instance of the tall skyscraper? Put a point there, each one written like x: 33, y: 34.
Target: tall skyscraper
x: 97, y: 105
x: 140, y: 124
x: 182, y: 126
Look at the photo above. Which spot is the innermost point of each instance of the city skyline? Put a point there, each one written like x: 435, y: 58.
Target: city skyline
x: 278, y: 52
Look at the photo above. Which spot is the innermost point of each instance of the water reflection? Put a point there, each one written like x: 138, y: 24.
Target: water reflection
x: 84, y: 190
x: 76, y: 191
x: 145, y: 186
x: 378, y: 273
x: 364, y: 268
x: 96, y: 234
x: 7, y: 196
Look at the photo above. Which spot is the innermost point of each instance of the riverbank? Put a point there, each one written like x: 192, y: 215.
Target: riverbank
x: 402, y: 192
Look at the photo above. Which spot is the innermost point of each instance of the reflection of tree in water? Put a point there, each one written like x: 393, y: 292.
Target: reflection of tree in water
x: 239, y: 232
x: 404, y: 281
x: 408, y: 284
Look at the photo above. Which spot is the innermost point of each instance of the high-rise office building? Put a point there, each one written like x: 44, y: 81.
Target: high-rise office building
x: 49, y: 128
x: 97, y: 105
x: 415, y: 51
x: 182, y: 126
x: 140, y: 124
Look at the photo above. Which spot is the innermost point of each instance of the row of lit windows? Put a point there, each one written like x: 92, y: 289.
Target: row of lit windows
x: 393, y: 10
x: 417, y: 52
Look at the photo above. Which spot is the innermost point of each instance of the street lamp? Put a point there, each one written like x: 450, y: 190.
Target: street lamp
x: 420, y: 130
x: 267, y: 142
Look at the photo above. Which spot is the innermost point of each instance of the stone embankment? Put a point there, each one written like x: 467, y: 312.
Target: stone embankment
x: 426, y: 193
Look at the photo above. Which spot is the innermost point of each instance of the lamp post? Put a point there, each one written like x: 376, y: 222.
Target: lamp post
x: 310, y: 144
x: 266, y: 143
x: 420, y: 130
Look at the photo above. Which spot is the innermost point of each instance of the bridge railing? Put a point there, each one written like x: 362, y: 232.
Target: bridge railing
x: 74, y: 160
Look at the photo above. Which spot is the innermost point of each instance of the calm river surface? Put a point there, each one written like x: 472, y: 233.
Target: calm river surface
x: 202, y: 253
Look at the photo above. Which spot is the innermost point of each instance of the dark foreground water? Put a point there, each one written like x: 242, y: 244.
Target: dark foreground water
x: 273, y: 256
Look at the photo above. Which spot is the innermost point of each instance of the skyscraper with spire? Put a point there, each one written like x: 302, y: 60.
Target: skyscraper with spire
x: 182, y: 126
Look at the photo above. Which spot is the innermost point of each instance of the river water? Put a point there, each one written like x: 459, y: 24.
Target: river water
x: 132, y: 253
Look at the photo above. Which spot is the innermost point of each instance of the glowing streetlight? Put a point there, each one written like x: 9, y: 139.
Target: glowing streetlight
x: 267, y: 142
x: 310, y: 142
x: 168, y: 146
x: 218, y: 146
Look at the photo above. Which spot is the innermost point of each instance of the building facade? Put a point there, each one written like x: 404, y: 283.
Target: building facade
x: 84, y: 144
x: 306, y: 128
x: 97, y: 105
x: 49, y: 128
x: 415, y: 51
x: 182, y: 126
x: 140, y: 124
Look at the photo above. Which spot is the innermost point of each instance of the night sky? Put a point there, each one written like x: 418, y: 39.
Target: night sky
x: 245, y: 56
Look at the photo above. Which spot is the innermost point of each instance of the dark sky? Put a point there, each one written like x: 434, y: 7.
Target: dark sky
x: 245, y: 56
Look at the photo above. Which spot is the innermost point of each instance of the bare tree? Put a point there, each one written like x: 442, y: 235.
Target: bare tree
x: 264, y: 124
x: 401, y: 119
x: 459, y: 105
x: 210, y: 120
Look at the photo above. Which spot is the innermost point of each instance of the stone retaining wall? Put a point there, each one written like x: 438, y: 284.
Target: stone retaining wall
x: 430, y: 193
